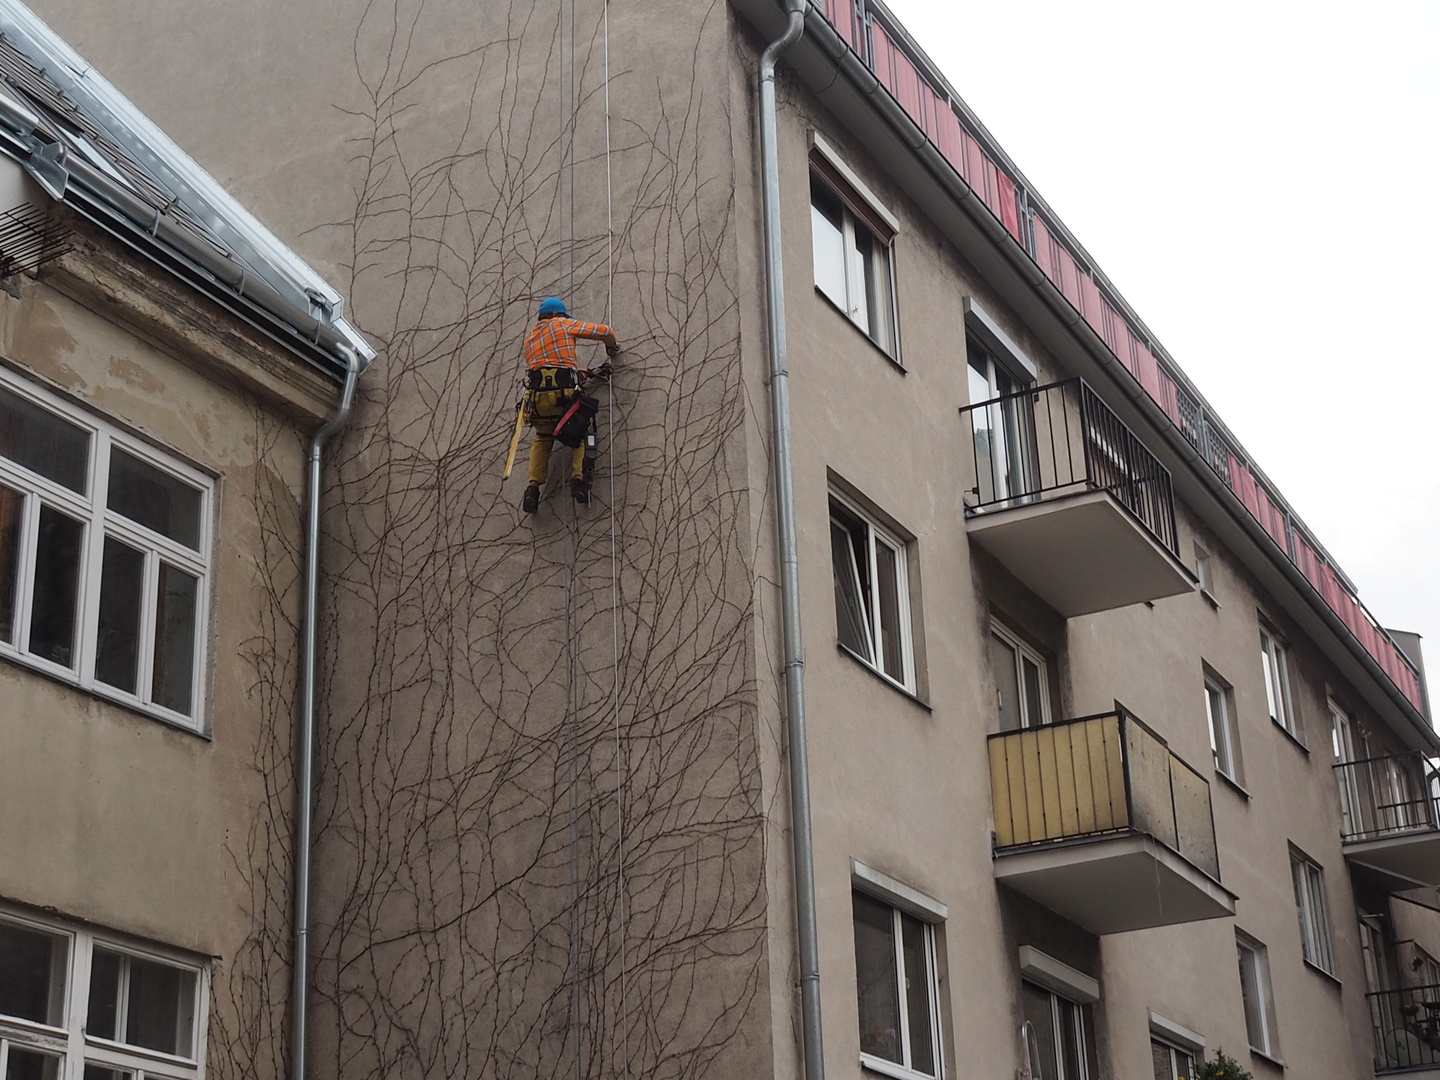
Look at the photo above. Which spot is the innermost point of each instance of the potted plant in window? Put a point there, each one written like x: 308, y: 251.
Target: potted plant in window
x: 1222, y: 1067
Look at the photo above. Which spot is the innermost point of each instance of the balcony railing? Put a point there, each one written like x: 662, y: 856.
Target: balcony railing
x: 1388, y: 796
x: 1098, y: 776
x: 1407, y: 1028
x: 1050, y: 441
x: 869, y: 29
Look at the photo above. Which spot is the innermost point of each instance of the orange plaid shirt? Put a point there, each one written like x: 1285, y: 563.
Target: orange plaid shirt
x: 551, y: 342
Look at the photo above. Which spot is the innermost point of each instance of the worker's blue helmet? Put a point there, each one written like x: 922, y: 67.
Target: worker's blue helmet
x: 553, y: 305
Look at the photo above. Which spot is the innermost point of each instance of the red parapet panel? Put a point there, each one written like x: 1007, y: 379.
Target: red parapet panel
x: 1116, y: 330
x: 1147, y: 369
x: 906, y: 86
x: 880, y: 59
x: 1272, y: 518
x: 1127, y: 349
x: 1069, y: 276
x: 949, y: 137
x: 1166, y: 397
x: 1044, y: 249
x: 976, y: 165
x: 841, y: 14
x: 1091, y: 306
x: 1009, y: 208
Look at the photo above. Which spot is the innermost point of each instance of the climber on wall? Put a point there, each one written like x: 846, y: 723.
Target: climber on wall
x: 554, y: 404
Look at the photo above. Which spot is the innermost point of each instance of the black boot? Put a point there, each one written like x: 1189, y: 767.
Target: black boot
x: 531, y: 502
x: 580, y: 490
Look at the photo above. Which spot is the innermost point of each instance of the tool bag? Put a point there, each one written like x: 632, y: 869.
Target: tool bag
x: 570, y: 429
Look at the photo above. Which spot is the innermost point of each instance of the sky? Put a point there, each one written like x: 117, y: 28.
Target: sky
x: 1257, y: 180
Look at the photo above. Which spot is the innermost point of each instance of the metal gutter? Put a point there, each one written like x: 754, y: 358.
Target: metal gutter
x: 844, y: 63
x: 801, y: 832
x: 305, y: 768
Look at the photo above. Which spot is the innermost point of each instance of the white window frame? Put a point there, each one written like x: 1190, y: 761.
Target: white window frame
x: 69, y: 1042
x: 856, y: 305
x: 1308, y: 878
x: 98, y: 522
x: 1224, y: 735
x: 1262, y: 992
x: 1279, y: 697
x: 1025, y: 652
x: 882, y: 1065
x: 877, y: 533
x: 1205, y: 575
x: 1086, y: 1036
x: 1175, y: 1052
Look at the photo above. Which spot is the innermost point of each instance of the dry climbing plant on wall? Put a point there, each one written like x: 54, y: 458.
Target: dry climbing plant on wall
x: 539, y: 838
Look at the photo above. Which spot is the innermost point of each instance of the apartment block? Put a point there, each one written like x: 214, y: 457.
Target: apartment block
x: 1104, y: 769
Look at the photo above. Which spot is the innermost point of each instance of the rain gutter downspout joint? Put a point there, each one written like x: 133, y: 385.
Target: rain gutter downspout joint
x: 305, y: 770
x: 794, y: 667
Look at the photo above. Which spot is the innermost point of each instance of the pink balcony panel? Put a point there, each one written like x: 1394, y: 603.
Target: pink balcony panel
x: 882, y: 56
x: 841, y: 14
x: 1009, y: 208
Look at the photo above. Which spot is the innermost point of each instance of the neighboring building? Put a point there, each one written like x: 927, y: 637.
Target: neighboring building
x: 155, y: 409
x: 1109, y: 767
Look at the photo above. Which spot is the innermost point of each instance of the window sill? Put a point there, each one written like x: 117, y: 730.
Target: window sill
x: 891, y: 683
x: 1210, y: 599
x: 67, y: 678
x: 1234, y: 785
x: 1291, y: 736
x: 856, y: 327
x: 1328, y: 976
x: 1263, y: 1056
x: 889, y: 1068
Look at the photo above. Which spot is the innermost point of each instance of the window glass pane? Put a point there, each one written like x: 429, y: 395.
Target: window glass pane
x: 1036, y: 1005
x: 917, y: 994
x: 876, y: 985
x: 31, y: 1065
x: 12, y: 507
x: 122, y: 589
x: 874, y: 259
x: 57, y: 578
x: 104, y: 1072
x: 175, y: 639
x: 103, y: 1012
x: 1034, y: 699
x: 1071, y: 1036
x: 1184, y: 1066
x: 32, y: 974
x: 827, y: 233
x: 1007, y: 683
x: 887, y: 583
x: 42, y: 442
x: 1219, y: 729
x: 1159, y: 1058
x: 160, y: 1011
x: 154, y: 499
x: 852, y: 600
x: 1250, y: 996
x: 1087, y: 1040
x: 1267, y: 662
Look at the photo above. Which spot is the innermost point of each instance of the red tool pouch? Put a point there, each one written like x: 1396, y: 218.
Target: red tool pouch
x: 571, y: 427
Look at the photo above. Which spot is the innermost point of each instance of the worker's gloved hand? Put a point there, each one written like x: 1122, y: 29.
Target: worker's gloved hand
x: 612, y: 351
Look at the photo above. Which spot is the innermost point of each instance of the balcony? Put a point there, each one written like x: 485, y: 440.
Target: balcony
x: 1071, y: 502
x: 1390, y: 818
x: 1406, y: 1024
x: 1097, y: 820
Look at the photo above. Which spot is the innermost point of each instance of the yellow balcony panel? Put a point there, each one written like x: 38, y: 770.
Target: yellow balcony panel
x: 1080, y: 553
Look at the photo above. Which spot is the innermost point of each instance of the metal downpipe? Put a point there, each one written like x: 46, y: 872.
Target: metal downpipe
x: 804, y: 856
x: 305, y: 770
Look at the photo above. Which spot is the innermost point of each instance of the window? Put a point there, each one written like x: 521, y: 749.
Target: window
x: 1022, y: 690
x: 1171, y: 1063
x: 1205, y: 574
x: 66, y: 993
x: 872, y: 592
x: 1060, y: 1035
x: 103, y: 572
x: 1426, y: 968
x: 1277, y: 683
x: 1347, y: 775
x: 897, y: 989
x: 1224, y: 739
x: 851, y: 247
x: 1310, y: 904
x: 1255, y: 995
x: 1004, y: 463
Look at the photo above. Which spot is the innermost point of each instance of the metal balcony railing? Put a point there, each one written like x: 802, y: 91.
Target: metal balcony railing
x: 1097, y: 776
x: 1049, y: 441
x: 1388, y: 796
x: 1406, y: 1023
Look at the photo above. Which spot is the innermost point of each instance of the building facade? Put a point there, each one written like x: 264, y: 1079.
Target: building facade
x: 1109, y: 770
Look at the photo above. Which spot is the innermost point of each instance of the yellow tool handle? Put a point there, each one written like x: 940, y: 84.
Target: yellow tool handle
x: 515, y: 439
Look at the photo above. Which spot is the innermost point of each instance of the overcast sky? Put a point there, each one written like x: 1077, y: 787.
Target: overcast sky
x: 1258, y: 180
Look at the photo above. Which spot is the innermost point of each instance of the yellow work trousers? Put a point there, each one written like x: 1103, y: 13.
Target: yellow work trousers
x: 544, y: 409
